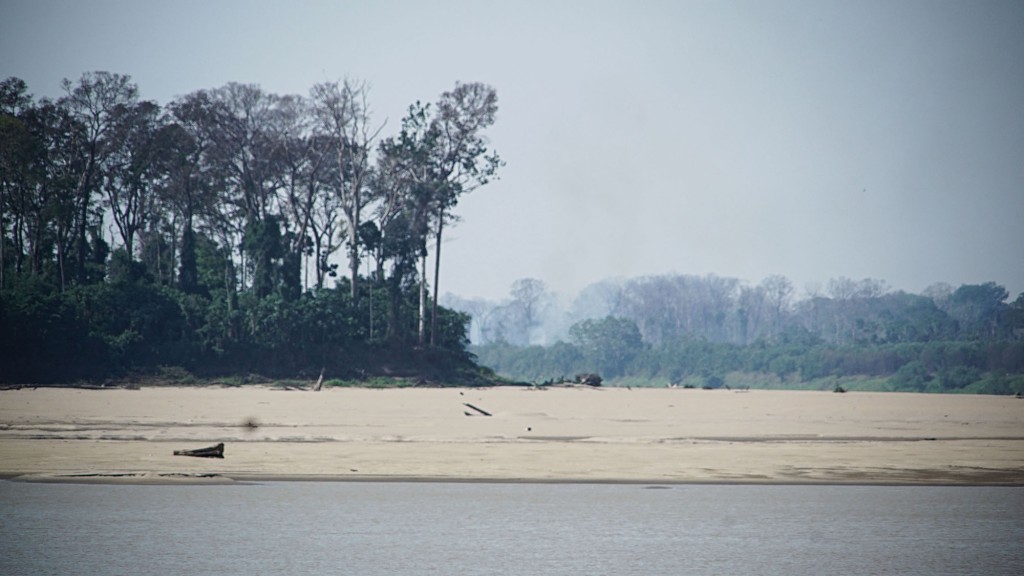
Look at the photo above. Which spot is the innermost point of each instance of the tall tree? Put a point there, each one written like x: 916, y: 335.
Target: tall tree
x: 131, y: 170
x: 978, y: 307
x: 611, y: 343
x: 43, y: 204
x: 17, y: 150
x: 752, y: 304
x: 188, y: 185
x: 242, y: 154
x: 463, y: 160
x: 527, y: 300
x: 342, y: 114
x: 778, y: 292
x: 404, y: 187
x: 324, y: 225
x: 244, y: 145
x: 93, y: 101
x: 300, y: 162
x: 184, y: 191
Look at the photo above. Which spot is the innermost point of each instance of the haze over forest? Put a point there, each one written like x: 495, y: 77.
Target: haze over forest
x: 714, y: 308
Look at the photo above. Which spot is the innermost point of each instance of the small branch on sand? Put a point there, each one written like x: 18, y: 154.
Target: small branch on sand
x: 319, y: 382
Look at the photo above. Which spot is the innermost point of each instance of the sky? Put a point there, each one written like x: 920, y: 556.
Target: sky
x: 813, y: 139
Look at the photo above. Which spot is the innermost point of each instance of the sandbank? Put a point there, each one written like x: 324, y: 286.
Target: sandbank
x: 576, y: 434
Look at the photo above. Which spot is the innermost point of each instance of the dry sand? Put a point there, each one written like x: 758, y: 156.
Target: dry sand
x: 559, y: 434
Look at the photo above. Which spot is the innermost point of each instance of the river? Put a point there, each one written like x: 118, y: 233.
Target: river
x: 389, y: 528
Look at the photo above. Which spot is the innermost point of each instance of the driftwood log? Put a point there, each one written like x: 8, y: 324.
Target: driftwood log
x: 208, y: 452
x: 480, y: 410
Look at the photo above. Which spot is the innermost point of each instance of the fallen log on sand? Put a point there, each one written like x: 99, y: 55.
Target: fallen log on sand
x: 209, y: 452
x: 481, y: 411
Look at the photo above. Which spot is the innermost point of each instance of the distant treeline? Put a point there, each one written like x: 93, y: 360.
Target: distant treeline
x: 711, y: 331
x: 203, y: 236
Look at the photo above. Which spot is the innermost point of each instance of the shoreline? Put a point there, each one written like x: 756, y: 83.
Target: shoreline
x: 175, y: 479
x: 554, y: 436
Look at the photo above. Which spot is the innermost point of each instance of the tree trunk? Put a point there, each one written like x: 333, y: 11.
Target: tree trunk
x: 60, y: 254
x: 423, y: 300
x: 353, y: 239
x: 3, y: 238
x: 172, y: 268
x: 84, y: 196
x: 18, y: 240
x: 437, y: 272
x: 318, y: 244
x: 80, y: 233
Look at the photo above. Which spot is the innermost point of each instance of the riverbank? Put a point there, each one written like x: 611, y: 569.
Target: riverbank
x: 576, y: 434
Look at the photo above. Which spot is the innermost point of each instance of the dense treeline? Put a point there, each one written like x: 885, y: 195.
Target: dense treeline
x: 205, y: 234
x: 712, y: 331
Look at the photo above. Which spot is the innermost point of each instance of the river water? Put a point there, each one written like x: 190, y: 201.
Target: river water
x: 370, y: 528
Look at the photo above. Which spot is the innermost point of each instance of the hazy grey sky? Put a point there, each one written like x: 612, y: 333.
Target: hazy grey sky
x: 812, y: 139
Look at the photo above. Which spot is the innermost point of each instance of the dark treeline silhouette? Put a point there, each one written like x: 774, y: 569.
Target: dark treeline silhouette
x: 203, y: 235
x: 712, y: 331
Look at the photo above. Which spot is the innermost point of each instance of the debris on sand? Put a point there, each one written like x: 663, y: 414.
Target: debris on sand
x: 208, y: 452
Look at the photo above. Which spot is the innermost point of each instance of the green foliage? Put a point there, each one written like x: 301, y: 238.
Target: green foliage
x: 44, y: 339
x: 977, y: 307
x: 998, y: 383
x: 121, y: 269
x: 958, y: 377
x: 115, y: 329
x: 188, y: 273
x: 995, y: 367
x: 262, y: 242
x: 912, y: 376
x: 609, y: 345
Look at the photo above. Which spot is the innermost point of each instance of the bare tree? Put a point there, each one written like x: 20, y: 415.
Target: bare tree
x: 342, y: 114
x: 243, y: 153
x: 751, y: 311
x: 325, y: 225
x: 841, y: 288
x: 527, y: 294
x: 244, y: 146
x: 778, y: 292
x: 301, y: 160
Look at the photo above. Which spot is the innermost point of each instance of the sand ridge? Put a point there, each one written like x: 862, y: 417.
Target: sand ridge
x: 576, y: 434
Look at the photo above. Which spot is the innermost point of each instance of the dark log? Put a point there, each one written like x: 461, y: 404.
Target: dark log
x: 484, y: 412
x: 209, y: 452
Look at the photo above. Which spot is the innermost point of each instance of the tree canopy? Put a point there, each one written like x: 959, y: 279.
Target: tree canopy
x: 202, y: 234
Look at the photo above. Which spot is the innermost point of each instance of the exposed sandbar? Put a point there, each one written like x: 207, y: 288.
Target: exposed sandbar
x: 537, y: 435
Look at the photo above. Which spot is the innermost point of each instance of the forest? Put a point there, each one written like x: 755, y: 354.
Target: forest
x: 238, y: 233
x: 713, y: 332
x: 202, y: 238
